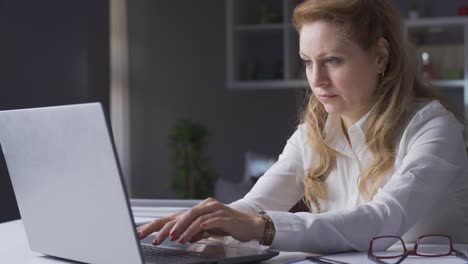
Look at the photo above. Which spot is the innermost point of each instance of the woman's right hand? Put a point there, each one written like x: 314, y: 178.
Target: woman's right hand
x: 157, y: 225
x: 209, y: 217
x: 163, y: 226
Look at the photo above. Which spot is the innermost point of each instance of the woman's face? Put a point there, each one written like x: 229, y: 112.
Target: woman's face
x: 341, y: 74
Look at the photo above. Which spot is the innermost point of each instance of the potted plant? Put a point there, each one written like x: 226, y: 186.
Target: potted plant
x: 413, y: 11
x: 192, y: 178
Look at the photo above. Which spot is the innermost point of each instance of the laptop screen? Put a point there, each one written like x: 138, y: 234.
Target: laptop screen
x: 70, y: 192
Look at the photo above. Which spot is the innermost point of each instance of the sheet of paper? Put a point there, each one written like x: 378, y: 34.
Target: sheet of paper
x: 361, y: 257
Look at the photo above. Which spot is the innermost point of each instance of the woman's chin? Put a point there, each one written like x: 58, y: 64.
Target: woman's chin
x: 330, y: 109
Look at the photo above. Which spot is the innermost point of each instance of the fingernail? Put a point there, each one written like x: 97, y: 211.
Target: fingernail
x: 172, y: 233
x: 182, y: 241
x: 155, y: 241
x: 204, y: 225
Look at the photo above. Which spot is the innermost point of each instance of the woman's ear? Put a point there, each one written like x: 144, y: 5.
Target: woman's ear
x: 382, y: 54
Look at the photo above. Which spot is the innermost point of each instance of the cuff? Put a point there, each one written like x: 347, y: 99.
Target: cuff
x: 289, y: 231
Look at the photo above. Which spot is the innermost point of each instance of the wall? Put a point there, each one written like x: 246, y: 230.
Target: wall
x: 52, y: 52
x: 177, y: 69
x: 431, y: 8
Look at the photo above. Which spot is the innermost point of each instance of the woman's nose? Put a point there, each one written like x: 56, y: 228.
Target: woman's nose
x: 318, y: 77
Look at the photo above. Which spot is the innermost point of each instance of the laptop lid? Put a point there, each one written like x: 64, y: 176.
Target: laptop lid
x: 67, y: 183
x: 70, y: 191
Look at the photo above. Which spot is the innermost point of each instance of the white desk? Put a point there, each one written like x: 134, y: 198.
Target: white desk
x: 14, y: 248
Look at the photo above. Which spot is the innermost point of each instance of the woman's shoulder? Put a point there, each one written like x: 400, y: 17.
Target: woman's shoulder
x: 429, y: 114
x: 299, y: 137
x: 424, y: 110
x: 302, y: 128
x: 300, y: 134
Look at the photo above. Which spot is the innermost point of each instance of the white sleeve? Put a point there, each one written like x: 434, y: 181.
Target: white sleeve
x: 434, y: 157
x: 279, y: 188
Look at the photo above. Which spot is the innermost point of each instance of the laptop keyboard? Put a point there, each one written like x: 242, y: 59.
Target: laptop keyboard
x: 161, y: 255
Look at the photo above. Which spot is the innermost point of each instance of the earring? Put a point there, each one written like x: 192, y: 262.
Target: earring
x: 382, y: 75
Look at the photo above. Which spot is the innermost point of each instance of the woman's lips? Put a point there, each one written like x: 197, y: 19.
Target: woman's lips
x: 326, y: 97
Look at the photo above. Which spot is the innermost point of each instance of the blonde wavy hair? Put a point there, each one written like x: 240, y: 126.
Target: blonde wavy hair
x: 364, y: 22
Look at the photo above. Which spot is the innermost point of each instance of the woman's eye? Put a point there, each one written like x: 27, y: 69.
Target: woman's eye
x: 307, y: 63
x: 332, y: 60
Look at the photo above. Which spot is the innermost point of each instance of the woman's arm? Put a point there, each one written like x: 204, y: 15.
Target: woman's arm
x: 436, y: 155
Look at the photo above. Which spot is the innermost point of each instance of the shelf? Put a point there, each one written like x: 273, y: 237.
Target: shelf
x: 278, y: 84
x: 448, y: 83
x: 436, y: 21
x: 258, y: 27
x: 265, y: 85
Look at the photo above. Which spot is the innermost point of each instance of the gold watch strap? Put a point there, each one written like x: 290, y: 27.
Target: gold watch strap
x: 269, y: 232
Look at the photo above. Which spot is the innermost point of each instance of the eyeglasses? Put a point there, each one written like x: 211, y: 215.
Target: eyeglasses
x: 425, y: 246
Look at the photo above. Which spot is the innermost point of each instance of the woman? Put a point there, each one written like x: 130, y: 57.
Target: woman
x: 376, y: 153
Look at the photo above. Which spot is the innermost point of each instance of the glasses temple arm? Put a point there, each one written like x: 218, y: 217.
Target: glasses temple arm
x: 405, y: 255
x: 375, y: 259
x: 460, y: 254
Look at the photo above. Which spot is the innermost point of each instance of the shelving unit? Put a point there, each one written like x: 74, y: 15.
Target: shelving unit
x: 262, y: 45
x: 446, y: 40
x: 262, y: 53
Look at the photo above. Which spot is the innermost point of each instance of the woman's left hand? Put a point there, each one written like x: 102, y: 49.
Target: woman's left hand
x: 217, y: 219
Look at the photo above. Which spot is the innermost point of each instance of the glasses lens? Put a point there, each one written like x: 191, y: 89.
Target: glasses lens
x: 433, y: 245
x: 387, y: 247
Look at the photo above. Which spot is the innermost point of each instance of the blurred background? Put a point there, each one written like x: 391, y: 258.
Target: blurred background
x: 201, y: 94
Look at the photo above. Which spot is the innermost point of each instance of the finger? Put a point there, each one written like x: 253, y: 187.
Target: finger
x: 195, y: 228
x: 164, y: 232
x: 144, y: 225
x: 146, y: 229
x: 207, y: 206
x: 154, y: 226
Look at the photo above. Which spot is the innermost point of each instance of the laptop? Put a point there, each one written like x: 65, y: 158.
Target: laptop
x: 71, y: 194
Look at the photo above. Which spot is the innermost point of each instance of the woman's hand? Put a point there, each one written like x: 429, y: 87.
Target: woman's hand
x: 209, y: 216
x: 162, y: 225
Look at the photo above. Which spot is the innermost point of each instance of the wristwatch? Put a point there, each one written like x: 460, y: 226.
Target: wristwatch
x: 269, y: 232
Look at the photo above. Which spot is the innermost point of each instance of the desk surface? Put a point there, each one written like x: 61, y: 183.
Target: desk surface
x: 14, y: 248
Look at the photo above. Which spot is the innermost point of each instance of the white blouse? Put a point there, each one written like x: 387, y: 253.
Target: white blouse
x: 425, y: 193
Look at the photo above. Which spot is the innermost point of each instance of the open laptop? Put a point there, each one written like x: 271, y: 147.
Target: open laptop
x: 71, y: 194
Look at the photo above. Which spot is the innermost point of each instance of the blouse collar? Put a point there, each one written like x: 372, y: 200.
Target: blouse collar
x: 336, y: 139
